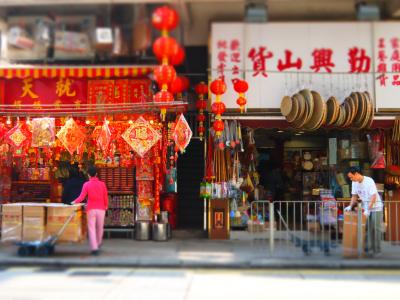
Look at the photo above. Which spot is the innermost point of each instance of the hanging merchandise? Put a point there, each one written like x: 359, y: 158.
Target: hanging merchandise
x: 141, y: 136
x: 182, y: 133
x: 201, y: 90
x: 218, y: 87
x: 19, y: 137
x: 166, y: 50
x: 43, y: 132
x: 376, y: 147
x: 71, y: 136
x: 104, y: 137
x: 3, y: 130
x: 241, y: 87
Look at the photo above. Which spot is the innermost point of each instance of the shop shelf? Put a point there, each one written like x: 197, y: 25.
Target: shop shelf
x: 44, y: 182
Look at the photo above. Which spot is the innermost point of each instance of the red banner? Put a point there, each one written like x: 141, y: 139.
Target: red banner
x: 46, y: 93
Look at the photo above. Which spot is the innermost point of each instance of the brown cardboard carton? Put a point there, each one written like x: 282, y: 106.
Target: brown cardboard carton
x: 350, y: 244
x: 57, y: 215
x: 34, y: 222
x: 11, y: 225
x: 313, y: 226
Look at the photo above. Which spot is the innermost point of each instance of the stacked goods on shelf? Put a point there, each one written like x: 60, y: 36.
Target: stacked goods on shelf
x: 120, y: 210
x: 35, y: 222
x: 120, y: 217
x: 308, y: 110
x: 30, y: 190
x: 117, y: 179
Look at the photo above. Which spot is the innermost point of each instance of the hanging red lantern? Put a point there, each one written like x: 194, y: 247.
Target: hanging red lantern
x: 201, y: 89
x: 241, y: 87
x: 177, y: 86
x: 178, y: 58
x: 242, y: 103
x: 164, y: 75
x: 201, y: 104
x: 201, y: 118
x: 218, y: 108
x: 165, y: 18
x: 218, y: 126
x: 165, y: 47
x: 163, y: 96
x: 218, y: 87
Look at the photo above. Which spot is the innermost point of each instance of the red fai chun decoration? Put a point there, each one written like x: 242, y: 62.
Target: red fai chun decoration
x: 218, y: 87
x: 241, y: 87
x: 71, y: 136
x: 182, y: 133
x: 201, y: 90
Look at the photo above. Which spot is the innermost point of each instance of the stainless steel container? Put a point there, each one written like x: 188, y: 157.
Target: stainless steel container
x: 142, y: 231
x: 160, y: 231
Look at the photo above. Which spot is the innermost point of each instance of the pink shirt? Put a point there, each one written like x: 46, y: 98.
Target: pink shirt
x: 96, y: 191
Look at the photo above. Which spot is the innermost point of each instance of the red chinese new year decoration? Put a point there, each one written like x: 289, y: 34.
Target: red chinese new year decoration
x: 182, y: 133
x: 3, y: 130
x: 241, y: 87
x: 165, y: 18
x: 43, y: 132
x: 163, y: 96
x: 71, y: 136
x: 164, y: 75
x: 168, y: 51
x: 19, y: 137
x: 177, y: 86
x: 201, y: 90
x: 218, y: 87
x: 141, y: 136
x: 104, y: 138
x: 178, y: 58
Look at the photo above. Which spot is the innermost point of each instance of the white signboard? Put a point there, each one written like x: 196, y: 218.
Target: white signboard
x: 279, y: 59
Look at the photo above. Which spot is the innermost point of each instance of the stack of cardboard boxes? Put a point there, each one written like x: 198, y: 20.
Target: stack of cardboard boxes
x: 35, y: 222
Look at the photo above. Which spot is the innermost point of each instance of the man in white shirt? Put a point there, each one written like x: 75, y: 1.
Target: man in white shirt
x: 364, y: 187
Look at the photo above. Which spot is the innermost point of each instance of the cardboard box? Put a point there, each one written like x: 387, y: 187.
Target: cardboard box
x: 57, y: 215
x: 313, y: 226
x: 11, y: 225
x: 34, y: 223
x: 350, y: 244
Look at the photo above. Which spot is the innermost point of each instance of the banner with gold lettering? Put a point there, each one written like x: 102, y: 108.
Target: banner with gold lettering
x: 45, y: 94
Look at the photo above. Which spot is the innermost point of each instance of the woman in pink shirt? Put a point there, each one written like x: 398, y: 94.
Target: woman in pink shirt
x: 97, y: 204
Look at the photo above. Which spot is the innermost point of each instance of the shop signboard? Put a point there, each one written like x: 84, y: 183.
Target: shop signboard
x: 45, y: 93
x: 279, y: 59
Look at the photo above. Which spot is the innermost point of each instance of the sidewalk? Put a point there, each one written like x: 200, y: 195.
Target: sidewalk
x: 197, y: 253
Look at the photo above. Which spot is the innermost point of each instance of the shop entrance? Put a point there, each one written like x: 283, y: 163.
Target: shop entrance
x: 190, y: 174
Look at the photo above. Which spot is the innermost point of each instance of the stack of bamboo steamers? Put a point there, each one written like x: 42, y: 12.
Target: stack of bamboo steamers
x: 307, y: 110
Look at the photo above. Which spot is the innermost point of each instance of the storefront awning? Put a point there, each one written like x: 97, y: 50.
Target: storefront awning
x: 25, y: 71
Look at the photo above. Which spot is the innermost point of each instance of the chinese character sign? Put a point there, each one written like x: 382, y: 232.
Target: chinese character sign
x: 281, y: 58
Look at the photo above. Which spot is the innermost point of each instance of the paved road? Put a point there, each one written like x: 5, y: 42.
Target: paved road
x: 163, y: 284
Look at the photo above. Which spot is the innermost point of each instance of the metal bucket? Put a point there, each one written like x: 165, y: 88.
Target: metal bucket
x: 142, y: 231
x: 160, y: 231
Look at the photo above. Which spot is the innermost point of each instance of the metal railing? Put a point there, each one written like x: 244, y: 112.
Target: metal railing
x: 325, y: 225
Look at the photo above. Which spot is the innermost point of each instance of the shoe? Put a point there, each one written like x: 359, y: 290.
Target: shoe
x: 95, y: 252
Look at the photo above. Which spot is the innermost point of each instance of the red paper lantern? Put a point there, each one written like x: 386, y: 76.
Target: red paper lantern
x: 240, y: 86
x: 177, y: 85
x: 201, y: 104
x: 178, y: 58
x: 201, y: 118
x: 218, y: 87
x: 186, y: 83
x: 165, y: 18
x: 164, y: 74
x: 218, y: 108
x: 163, y: 96
x: 201, y: 88
x: 241, y: 101
x: 201, y: 130
x: 218, y: 125
x: 165, y: 47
